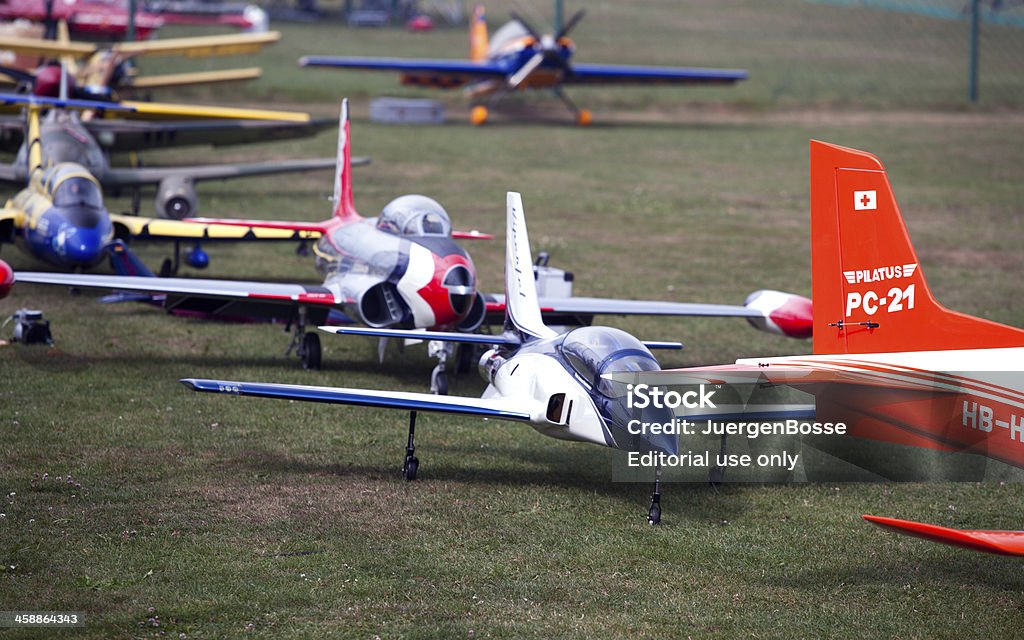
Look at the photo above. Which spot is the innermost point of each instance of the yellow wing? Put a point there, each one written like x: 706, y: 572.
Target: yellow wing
x: 196, y: 77
x: 47, y: 48
x: 201, y: 47
x: 138, y: 228
x: 165, y: 111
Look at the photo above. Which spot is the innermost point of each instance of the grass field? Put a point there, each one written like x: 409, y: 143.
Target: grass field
x: 160, y: 512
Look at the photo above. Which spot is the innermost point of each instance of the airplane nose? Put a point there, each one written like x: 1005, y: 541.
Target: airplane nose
x: 80, y: 247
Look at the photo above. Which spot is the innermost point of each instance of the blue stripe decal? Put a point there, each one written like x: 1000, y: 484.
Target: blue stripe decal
x: 345, y: 396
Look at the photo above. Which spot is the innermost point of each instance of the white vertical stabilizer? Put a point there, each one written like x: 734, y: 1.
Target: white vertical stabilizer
x: 522, y: 310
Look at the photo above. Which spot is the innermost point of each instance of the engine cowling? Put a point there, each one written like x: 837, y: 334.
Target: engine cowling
x: 490, y: 362
x: 786, y: 314
x: 176, y: 198
x: 6, y: 279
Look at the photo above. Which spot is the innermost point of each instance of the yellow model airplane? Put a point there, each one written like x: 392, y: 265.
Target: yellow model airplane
x: 101, y: 72
x: 59, y: 217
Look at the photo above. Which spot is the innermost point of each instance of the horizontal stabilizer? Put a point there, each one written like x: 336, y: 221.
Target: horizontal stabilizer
x: 421, y: 334
x: 1007, y: 543
x: 499, y: 408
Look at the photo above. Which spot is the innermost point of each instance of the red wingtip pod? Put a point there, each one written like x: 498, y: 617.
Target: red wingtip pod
x: 783, y: 313
x: 1007, y: 543
x: 6, y: 279
x: 344, y: 208
x: 869, y: 293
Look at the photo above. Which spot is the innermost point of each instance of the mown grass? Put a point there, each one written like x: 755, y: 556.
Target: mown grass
x: 212, y: 516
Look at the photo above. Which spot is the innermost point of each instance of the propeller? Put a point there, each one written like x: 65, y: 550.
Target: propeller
x: 545, y: 47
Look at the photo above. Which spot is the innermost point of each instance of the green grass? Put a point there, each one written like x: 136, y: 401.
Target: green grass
x: 220, y: 517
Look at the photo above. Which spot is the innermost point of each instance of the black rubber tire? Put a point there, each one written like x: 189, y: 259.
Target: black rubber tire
x: 311, y: 353
x: 412, y: 464
x: 654, y: 514
x: 441, y: 384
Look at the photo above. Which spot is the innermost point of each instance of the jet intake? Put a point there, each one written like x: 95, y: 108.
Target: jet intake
x: 381, y: 306
x: 476, y: 315
x: 176, y: 198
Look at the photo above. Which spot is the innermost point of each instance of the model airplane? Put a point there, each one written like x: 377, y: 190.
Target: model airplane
x: 518, y: 57
x: 551, y: 381
x: 889, y: 360
x: 400, y: 269
x: 248, y: 17
x: 59, y: 216
x: 99, y: 72
x: 64, y: 138
x: 100, y: 19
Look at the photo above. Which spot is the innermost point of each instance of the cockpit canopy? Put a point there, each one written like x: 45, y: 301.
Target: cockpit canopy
x: 79, y: 198
x: 595, y: 351
x: 415, y: 215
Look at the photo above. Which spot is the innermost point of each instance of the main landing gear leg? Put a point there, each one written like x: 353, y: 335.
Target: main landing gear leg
x: 170, y: 267
x: 411, y: 463
x: 438, y: 377
x: 306, y: 345
x: 716, y: 476
x: 583, y: 117
x: 654, y: 513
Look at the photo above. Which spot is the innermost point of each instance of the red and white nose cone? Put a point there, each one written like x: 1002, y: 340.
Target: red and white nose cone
x: 452, y: 289
x: 6, y: 279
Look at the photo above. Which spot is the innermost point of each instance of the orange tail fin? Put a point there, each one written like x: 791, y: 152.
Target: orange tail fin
x: 478, y: 35
x: 869, y: 293
x: 343, y: 206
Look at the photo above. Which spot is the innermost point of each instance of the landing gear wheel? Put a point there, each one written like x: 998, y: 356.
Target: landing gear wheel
x: 584, y: 117
x: 478, y: 115
x: 654, y: 514
x: 412, y: 463
x: 439, y: 384
x: 309, y: 351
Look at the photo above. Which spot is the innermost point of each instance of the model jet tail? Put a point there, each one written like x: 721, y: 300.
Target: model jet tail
x: 344, y: 208
x: 869, y: 292
x: 1007, y: 543
x: 522, y: 309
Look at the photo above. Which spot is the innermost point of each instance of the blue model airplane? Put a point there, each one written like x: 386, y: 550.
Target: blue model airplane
x: 518, y: 57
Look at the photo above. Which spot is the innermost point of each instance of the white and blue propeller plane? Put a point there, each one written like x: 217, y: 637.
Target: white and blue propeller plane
x: 518, y: 57
x: 555, y: 382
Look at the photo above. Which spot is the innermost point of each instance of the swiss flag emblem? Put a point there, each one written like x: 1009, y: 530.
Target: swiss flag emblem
x: 865, y: 200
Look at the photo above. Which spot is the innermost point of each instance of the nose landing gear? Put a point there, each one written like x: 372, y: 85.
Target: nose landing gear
x: 439, y: 376
x: 305, y: 345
